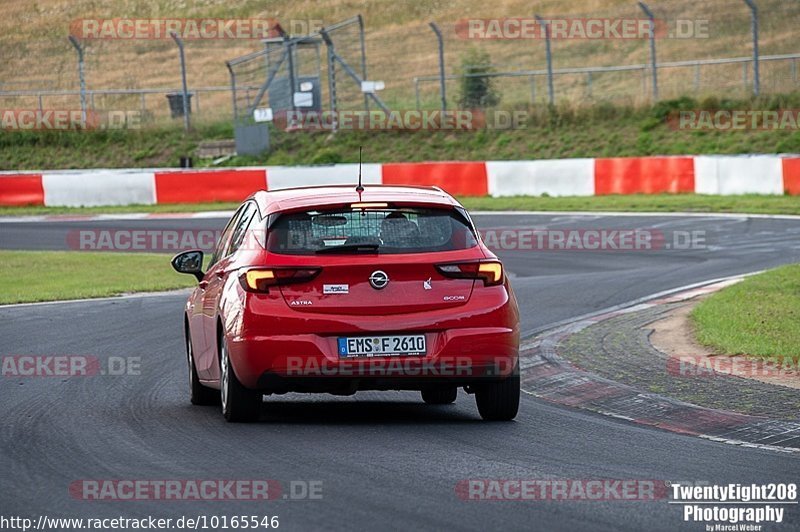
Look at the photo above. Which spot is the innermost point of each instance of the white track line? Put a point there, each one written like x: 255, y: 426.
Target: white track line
x: 136, y: 295
x: 228, y: 214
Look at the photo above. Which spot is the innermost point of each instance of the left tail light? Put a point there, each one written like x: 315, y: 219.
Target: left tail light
x: 261, y: 279
x: 490, y: 271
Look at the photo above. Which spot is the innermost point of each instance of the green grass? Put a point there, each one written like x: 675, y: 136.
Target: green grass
x: 600, y: 130
x: 29, y: 276
x: 750, y: 203
x: 754, y: 204
x: 758, y: 316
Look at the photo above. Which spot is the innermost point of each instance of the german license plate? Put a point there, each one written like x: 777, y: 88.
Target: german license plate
x: 382, y: 346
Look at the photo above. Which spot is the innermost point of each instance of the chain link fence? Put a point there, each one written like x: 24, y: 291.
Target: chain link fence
x: 324, y: 70
x: 702, y: 48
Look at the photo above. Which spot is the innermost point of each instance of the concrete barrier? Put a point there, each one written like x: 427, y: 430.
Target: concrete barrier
x: 554, y: 177
x: 729, y: 175
x: 98, y: 187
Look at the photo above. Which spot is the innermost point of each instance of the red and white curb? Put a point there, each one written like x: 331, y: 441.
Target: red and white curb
x: 725, y: 175
x: 549, y: 377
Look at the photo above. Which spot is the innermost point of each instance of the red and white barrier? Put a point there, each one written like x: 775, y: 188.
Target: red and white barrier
x: 289, y: 176
x: 99, y: 187
x: 726, y: 175
x: 739, y: 175
x: 559, y: 177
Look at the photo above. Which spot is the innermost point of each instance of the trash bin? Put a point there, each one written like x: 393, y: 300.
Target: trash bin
x: 175, y: 100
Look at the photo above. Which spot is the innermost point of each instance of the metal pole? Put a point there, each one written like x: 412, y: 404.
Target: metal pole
x: 179, y: 42
x: 363, y: 57
x: 442, y: 88
x: 81, y: 76
x: 652, y: 37
x: 233, y: 92
x: 549, y: 55
x: 289, y: 46
x: 754, y: 27
x: 332, y: 85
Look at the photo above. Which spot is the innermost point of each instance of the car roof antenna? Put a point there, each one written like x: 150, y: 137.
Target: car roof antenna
x: 360, y: 187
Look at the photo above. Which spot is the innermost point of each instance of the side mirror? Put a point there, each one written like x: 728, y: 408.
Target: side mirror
x: 190, y: 262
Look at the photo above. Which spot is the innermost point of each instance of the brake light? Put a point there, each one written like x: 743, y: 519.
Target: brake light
x: 368, y: 205
x: 260, y: 279
x: 491, y: 272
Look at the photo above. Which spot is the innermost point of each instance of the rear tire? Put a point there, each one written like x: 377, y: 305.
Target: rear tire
x: 440, y: 396
x: 198, y: 393
x: 238, y: 403
x: 499, y: 401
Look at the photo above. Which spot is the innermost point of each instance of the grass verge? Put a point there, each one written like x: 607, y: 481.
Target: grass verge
x: 753, y: 204
x: 30, y: 276
x: 756, y: 317
x: 563, y: 131
x: 168, y: 208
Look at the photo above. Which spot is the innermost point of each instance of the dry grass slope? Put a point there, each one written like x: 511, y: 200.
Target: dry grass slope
x: 400, y: 46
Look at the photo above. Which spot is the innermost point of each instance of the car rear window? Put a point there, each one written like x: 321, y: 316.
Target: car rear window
x: 393, y: 230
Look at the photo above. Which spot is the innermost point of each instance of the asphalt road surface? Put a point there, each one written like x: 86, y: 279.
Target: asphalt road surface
x: 385, y: 460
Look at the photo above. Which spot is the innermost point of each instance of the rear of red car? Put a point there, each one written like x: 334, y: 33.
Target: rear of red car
x: 385, y: 294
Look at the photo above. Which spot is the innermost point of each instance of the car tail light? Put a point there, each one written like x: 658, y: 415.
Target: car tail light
x: 260, y: 279
x: 490, y: 271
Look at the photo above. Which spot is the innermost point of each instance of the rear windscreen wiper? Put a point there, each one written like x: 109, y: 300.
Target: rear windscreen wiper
x: 354, y: 247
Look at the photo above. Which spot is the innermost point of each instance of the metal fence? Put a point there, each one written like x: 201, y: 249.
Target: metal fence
x: 728, y: 48
x: 698, y: 48
x: 289, y: 73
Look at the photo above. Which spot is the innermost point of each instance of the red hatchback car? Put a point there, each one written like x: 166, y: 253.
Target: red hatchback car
x: 336, y: 290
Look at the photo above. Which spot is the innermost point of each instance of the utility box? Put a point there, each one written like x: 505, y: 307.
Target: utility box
x: 251, y: 139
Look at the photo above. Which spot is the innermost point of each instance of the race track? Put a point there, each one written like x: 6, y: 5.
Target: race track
x: 385, y: 460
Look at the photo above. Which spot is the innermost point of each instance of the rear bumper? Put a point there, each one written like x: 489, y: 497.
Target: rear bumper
x: 310, y: 362
x: 278, y: 349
